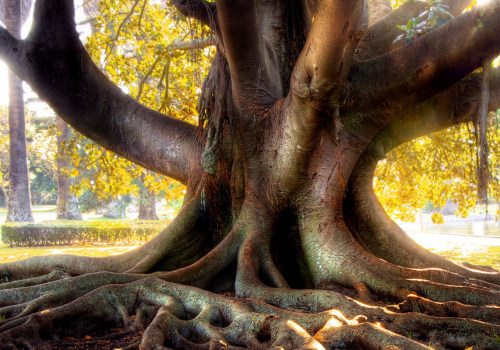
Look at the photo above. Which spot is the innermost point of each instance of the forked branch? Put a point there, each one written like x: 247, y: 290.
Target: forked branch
x: 326, y: 58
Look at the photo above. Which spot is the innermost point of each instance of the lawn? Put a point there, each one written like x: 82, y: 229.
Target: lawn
x: 8, y: 254
x: 475, y: 250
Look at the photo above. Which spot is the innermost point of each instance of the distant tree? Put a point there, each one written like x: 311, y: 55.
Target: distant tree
x: 437, y: 168
x: 14, y: 12
x: 67, y: 202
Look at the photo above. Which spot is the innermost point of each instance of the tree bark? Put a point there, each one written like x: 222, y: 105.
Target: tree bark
x: 67, y: 202
x: 19, y: 204
x: 147, y: 204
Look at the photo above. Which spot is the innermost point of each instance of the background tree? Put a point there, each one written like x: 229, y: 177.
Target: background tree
x: 280, y: 212
x: 67, y: 202
x: 153, y: 66
x: 437, y: 168
x: 14, y: 13
x: 4, y: 153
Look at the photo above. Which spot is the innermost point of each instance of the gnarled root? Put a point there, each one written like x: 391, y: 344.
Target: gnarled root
x: 371, y: 304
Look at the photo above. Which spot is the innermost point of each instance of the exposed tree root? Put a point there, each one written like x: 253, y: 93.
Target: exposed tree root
x: 381, y: 236
x: 177, y: 316
x: 371, y: 305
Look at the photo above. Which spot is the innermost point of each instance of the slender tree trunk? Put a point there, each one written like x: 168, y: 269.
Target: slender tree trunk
x: 4, y: 194
x: 147, y: 203
x: 67, y: 202
x: 19, y: 204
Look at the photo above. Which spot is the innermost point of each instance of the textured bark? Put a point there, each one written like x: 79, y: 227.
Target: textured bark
x: 67, y: 202
x: 281, y: 241
x: 19, y: 204
x: 147, y: 204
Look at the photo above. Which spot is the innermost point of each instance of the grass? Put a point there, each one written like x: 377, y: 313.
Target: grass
x: 480, y: 254
x: 8, y: 254
x: 474, y: 250
x: 489, y: 256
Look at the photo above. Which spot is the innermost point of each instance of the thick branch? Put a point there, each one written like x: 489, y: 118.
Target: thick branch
x: 389, y: 84
x: 379, y: 39
x: 200, y: 10
x: 54, y: 62
x: 254, y: 67
x: 325, y: 60
x: 377, y: 9
x: 458, y: 104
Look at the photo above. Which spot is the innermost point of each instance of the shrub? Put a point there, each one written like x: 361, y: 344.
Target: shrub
x: 63, y: 232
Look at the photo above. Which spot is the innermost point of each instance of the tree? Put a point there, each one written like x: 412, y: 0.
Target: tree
x: 152, y: 65
x: 437, y: 168
x: 280, y: 212
x: 67, y: 202
x: 19, y: 201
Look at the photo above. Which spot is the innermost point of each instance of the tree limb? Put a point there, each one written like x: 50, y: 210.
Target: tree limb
x: 200, y: 10
x: 379, y: 38
x: 321, y: 69
x: 201, y: 43
x: 57, y: 67
x: 393, y: 82
x: 254, y: 68
x: 458, y: 104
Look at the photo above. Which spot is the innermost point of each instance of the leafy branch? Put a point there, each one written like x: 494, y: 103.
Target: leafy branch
x: 434, y: 15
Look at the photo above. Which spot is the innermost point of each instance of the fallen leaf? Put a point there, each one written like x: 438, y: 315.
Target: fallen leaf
x: 70, y: 338
x: 87, y: 337
x: 45, y: 311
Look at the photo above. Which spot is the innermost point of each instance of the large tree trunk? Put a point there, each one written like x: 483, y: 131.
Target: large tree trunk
x: 280, y: 217
x: 67, y: 202
x: 19, y: 204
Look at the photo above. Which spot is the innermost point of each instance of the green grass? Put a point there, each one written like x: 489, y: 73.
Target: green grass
x: 481, y: 255
x: 489, y: 256
x: 8, y: 254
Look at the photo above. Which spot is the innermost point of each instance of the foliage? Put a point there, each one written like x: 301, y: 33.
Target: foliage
x: 434, y: 15
x: 130, y: 44
x: 41, y: 148
x: 42, y: 154
x: 63, y: 232
x: 436, y: 168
